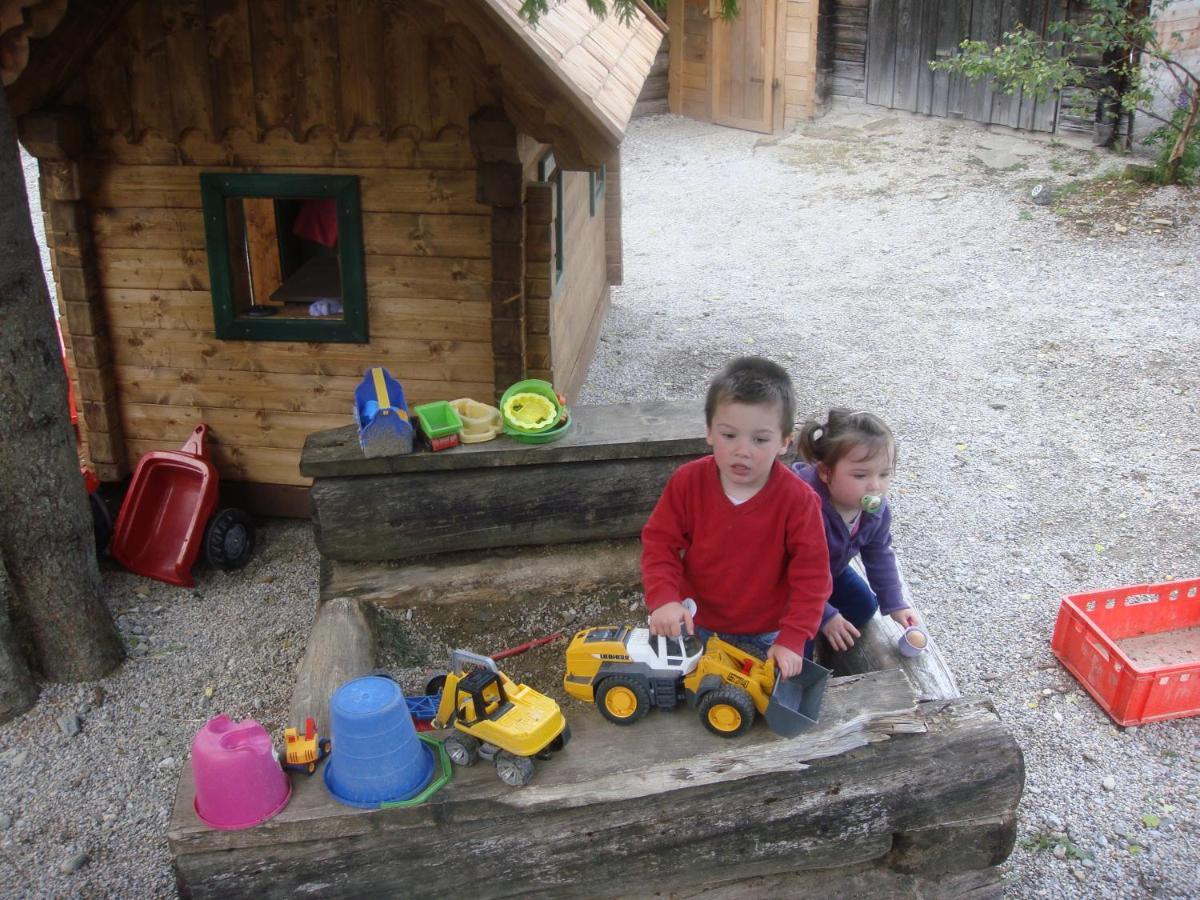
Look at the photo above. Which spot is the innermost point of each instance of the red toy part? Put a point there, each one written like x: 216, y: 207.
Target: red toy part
x: 160, y: 527
x: 310, y: 728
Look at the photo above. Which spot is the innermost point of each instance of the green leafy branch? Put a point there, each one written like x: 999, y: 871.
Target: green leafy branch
x: 1119, y: 34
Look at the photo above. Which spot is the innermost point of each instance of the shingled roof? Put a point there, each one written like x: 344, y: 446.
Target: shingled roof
x: 571, y: 80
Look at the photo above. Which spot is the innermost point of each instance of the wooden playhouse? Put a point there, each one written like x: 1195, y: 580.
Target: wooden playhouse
x: 248, y: 203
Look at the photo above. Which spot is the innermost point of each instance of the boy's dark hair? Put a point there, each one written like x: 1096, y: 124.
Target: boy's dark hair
x: 829, y: 441
x: 753, y: 380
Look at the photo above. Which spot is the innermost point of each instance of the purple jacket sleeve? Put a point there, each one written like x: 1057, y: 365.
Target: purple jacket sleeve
x: 880, y: 563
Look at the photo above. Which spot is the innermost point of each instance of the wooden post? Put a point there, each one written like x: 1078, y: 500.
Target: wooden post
x: 613, y: 245
x: 500, y: 185
x: 58, y: 139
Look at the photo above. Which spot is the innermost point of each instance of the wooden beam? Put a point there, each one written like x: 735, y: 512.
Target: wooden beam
x: 867, y: 794
x: 57, y: 59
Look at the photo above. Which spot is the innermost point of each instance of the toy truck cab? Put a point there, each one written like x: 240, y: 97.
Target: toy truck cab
x: 626, y: 670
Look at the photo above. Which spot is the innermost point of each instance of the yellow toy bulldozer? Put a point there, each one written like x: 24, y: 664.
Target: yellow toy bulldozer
x: 626, y: 671
x: 495, y: 718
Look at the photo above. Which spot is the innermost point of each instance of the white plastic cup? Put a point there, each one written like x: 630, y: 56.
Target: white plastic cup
x: 914, y: 641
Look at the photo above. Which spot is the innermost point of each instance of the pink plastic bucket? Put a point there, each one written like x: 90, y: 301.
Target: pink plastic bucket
x: 239, y: 783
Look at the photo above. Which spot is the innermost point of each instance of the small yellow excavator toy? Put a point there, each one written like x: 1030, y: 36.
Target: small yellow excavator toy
x: 497, y: 719
x: 626, y: 671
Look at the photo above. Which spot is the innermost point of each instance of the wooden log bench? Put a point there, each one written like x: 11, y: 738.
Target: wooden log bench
x: 885, y: 795
x: 600, y: 480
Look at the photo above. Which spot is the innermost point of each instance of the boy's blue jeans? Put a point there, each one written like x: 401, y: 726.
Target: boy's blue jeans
x: 851, y: 597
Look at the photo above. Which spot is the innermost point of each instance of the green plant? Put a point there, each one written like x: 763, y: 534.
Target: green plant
x: 1118, y: 34
x: 1165, y: 138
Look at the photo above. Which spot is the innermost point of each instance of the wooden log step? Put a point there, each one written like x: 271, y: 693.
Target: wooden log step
x: 929, y: 790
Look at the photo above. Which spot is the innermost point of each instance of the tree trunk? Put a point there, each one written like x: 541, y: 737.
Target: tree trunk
x: 17, y: 688
x: 1185, y: 136
x: 46, y: 542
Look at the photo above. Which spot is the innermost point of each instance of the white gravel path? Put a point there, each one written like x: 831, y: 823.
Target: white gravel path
x: 1040, y: 374
x: 1042, y: 382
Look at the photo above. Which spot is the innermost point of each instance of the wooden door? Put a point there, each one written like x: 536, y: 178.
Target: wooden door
x: 743, y: 66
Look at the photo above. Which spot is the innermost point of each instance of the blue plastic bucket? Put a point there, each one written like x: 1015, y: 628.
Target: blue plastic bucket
x: 377, y: 756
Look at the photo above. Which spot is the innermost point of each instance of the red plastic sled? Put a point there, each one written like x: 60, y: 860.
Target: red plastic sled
x: 160, y: 527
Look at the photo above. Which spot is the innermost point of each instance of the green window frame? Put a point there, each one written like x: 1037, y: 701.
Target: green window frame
x: 548, y: 170
x: 217, y: 188
x: 597, y: 178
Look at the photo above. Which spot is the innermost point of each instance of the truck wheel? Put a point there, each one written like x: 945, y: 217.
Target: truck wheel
x: 563, y: 738
x: 462, y: 749
x: 622, y: 699
x: 513, y: 770
x: 229, y: 540
x: 727, y: 711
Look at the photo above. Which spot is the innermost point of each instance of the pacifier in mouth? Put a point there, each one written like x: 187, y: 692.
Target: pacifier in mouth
x: 871, y: 503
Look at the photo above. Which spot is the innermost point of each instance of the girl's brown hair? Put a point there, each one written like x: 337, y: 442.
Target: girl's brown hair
x: 842, y: 431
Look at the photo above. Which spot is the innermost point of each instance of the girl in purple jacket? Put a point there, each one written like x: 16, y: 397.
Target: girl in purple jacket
x: 849, y: 460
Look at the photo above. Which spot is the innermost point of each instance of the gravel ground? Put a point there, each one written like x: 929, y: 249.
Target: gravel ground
x: 1037, y: 364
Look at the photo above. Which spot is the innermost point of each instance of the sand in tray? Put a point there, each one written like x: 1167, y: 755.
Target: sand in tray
x: 1166, y: 648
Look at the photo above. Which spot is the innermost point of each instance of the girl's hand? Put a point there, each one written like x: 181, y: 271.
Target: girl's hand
x: 907, y: 617
x: 668, y: 619
x: 788, y: 662
x: 840, y: 633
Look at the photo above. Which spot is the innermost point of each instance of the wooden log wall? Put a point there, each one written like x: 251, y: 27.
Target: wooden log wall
x: 797, y: 70
x: 689, y: 90
x: 848, y: 51
x: 187, y: 87
x: 652, y: 101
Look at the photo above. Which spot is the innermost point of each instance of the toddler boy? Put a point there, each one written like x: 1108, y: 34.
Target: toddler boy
x: 738, y: 532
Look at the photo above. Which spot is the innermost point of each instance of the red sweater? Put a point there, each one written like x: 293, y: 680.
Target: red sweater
x: 752, y: 568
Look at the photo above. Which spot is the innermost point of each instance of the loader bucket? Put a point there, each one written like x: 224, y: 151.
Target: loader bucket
x: 795, y: 702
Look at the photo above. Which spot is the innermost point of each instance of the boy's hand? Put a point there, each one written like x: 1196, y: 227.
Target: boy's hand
x: 668, y: 619
x: 907, y: 617
x: 840, y: 633
x: 788, y: 662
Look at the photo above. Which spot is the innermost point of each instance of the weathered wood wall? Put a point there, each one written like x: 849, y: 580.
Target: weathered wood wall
x: 652, y: 101
x: 688, y: 92
x: 848, y: 47
x: 797, y: 70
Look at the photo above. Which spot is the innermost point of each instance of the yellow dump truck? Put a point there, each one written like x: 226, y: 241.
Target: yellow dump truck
x: 626, y: 671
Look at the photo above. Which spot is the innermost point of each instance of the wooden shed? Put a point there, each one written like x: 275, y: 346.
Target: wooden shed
x: 758, y: 72
x: 248, y: 203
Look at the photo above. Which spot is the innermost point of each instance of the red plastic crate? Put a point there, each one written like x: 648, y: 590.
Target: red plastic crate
x: 1086, y: 641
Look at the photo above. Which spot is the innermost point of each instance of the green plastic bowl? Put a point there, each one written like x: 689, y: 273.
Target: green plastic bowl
x: 531, y: 386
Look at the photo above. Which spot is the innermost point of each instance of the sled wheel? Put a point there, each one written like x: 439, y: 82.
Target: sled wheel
x: 561, y: 740
x: 462, y: 749
x: 229, y: 540
x: 622, y: 699
x: 102, y: 522
x: 513, y: 770
x: 727, y: 711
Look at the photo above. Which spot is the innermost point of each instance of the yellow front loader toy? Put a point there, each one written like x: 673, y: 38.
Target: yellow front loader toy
x: 495, y: 718
x: 626, y: 671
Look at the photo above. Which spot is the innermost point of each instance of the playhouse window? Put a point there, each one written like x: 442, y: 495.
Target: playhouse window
x: 285, y: 256
x: 548, y: 170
